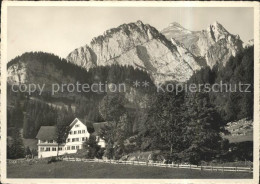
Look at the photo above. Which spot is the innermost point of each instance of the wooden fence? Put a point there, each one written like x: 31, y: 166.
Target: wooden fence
x: 159, y: 164
x: 30, y: 161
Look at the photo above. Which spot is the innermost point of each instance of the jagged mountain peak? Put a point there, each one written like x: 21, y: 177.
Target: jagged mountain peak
x: 177, y: 28
x: 128, y: 29
x: 176, y: 24
x: 214, y: 43
x: 249, y: 43
x: 141, y: 46
x: 217, y: 31
x: 217, y: 24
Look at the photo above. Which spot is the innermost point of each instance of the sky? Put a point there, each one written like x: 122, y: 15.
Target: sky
x: 60, y: 30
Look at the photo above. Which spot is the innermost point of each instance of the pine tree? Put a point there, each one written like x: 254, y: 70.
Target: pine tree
x: 28, y: 151
x: 17, y: 116
x: 16, y: 149
x: 202, y: 131
x: 26, y: 127
x: 92, y: 147
x: 164, y: 123
x: 65, y: 117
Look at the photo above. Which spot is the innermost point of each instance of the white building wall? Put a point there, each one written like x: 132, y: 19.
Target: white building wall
x: 77, y: 136
x: 101, y: 142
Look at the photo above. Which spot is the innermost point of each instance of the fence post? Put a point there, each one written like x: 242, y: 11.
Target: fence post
x: 190, y: 166
x: 236, y: 169
x: 201, y: 167
x: 211, y: 168
x: 222, y: 168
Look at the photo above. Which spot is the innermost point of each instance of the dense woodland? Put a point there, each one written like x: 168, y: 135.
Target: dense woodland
x: 185, y: 126
x: 238, y: 69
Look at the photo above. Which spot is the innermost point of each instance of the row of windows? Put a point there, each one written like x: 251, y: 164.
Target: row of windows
x: 72, y: 147
x: 76, y: 139
x: 42, y: 149
x: 50, y: 149
x: 77, y: 132
x: 49, y: 141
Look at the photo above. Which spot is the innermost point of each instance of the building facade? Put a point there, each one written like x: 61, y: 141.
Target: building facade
x: 47, y: 146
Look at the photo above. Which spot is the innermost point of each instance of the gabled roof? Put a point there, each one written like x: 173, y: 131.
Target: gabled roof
x: 47, y: 133
x: 88, y: 123
x: 98, y: 126
x: 75, y: 121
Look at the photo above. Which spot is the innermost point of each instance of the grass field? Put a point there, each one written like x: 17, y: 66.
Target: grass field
x: 105, y: 170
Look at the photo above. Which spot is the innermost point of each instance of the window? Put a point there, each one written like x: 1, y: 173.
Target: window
x: 41, y: 148
x: 77, y: 147
x: 68, y: 147
x: 83, y: 138
x: 73, y: 147
x: 53, y: 149
x: 79, y: 131
x: 60, y: 148
x: 83, y: 131
x: 73, y: 139
x: 77, y: 125
x: 48, y: 149
x: 68, y: 140
x: 77, y: 139
x: 75, y: 132
x: 71, y: 132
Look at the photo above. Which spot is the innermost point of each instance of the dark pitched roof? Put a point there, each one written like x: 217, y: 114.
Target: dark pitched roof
x: 47, y: 133
x: 76, y: 120
x: 98, y: 126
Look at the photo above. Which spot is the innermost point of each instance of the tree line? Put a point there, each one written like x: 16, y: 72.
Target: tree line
x: 185, y: 126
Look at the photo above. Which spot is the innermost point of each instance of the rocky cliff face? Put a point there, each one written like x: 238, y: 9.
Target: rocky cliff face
x: 141, y: 46
x: 215, y: 43
x: 29, y: 69
x: 249, y: 43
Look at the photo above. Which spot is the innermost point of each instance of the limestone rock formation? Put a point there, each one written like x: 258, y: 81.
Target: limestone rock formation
x: 215, y: 43
x: 139, y: 45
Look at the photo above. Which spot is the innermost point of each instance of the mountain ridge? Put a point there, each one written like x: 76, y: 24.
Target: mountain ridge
x: 169, y: 55
x: 138, y: 45
x: 214, y: 43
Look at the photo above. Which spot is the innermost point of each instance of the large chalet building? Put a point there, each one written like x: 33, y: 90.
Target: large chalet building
x: 47, y: 146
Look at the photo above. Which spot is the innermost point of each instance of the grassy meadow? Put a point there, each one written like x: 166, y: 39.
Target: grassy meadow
x: 66, y: 169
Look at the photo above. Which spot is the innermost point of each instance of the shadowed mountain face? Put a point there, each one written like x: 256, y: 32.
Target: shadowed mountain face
x: 141, y: 46
x: 215, y: 43
x: 172, y: 55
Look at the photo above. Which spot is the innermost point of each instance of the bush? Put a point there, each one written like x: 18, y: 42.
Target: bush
x: 53, y: 159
